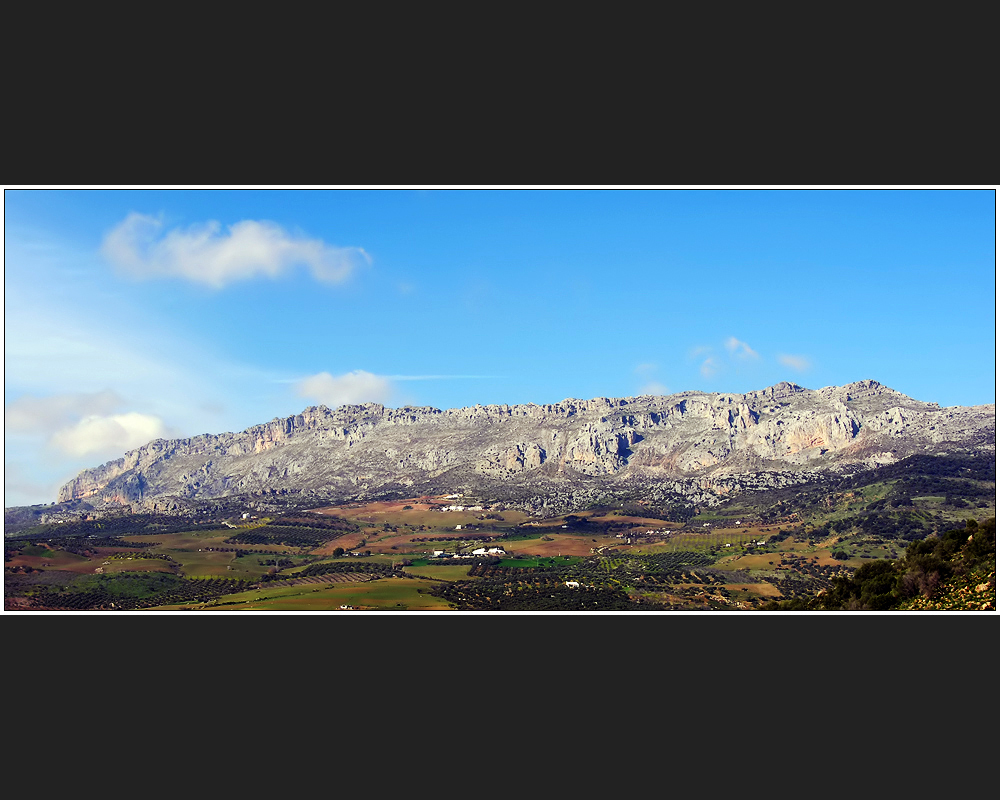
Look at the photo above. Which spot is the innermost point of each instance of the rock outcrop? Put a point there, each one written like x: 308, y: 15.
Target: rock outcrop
x: 689, y: 442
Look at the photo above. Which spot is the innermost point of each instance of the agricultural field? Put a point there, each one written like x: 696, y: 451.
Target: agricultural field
x: 136, y: 563
x: 427, y: 513
x: 560, y: 544
x: 617, y: 561
x: 43, y: 558
x: 392, y: 594
x: 765, y: 548
x: 439, y: 573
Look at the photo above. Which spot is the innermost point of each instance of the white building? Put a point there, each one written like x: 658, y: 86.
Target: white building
x: 489, y: 551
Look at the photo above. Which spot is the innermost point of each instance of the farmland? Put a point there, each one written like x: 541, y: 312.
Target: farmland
x: 430, y: 554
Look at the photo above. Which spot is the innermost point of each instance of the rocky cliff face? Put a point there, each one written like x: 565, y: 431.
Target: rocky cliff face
x: 686, y: 440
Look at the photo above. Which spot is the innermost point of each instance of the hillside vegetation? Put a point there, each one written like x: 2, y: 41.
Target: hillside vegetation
x: 952, y: 572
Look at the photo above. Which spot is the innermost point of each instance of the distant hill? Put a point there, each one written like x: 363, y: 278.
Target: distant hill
x: 692, y: 446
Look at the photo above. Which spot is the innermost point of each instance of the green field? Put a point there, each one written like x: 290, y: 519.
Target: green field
x: 201, y: 564
x: 444, y: 572
x: 542, y: 562
x: 392, y: 594
x: 185, y: 540
x: 192, y: 550
x: 711, y: 537
x: 136, y: 564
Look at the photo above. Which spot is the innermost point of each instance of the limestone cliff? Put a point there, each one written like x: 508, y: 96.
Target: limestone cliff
x: 691, y: 439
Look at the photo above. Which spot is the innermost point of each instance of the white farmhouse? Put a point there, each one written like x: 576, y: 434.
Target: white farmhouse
x: 489, y: 551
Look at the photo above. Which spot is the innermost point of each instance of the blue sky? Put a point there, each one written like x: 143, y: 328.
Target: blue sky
x: 137, y: 314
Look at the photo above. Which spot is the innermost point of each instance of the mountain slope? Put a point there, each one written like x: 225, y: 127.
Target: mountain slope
x: 691, y: 444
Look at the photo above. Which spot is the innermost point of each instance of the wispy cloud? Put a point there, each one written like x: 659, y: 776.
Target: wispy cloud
x: 712, y: 364
x: 740, y: 349
x: 439, y: 377
x: 798, y: 363
x: 654, y: 388
x: 83, y: 386
x: 29, y: 414
x: 650, y: 386
x: 360, y: 386
x: 352, y: 387
x: 206, y: 254
x: 82, y: 424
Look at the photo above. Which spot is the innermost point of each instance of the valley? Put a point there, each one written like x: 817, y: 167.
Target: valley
x: 436, y: 553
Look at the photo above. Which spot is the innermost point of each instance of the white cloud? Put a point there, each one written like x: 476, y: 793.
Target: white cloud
x: 352, y: 387
x: 205, y: 254
x: 798, y: 363
x: 654, y: 388
x: 650, y: 386
x: 79, y: 358
x: 437, y: 377
x: 109, y: 434
x: 740, y: 349
x: 709, y: 367
x: 28, y: 414
x: 80, y: 424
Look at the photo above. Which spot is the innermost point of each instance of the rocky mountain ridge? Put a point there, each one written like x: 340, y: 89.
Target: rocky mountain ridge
x: 690, y: 444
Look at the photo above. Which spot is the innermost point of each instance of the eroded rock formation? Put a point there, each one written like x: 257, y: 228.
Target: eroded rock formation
x: 691, y: 441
